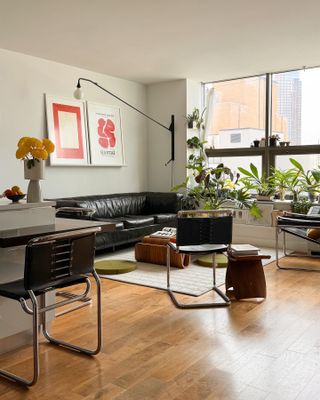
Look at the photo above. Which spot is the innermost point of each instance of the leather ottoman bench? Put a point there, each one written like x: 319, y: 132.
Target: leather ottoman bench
x: 154, y: 250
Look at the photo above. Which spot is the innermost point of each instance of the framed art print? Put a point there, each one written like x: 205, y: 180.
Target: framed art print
x: 105, y: 134
x: 67, y: 130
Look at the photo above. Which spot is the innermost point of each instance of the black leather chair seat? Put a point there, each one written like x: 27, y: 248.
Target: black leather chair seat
x: 202, y: 249
x: 301, y: 233
x: 15, y: 289
x: 137, y: 221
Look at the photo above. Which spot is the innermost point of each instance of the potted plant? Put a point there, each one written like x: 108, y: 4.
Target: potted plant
x: 256, y: 143
x: 301, y: 206
x: 262, y: 186
x: 273, y: 140
x: 195, y: 143
x: 195, y: 119
x: 309, y: 181
x: 286, y: 181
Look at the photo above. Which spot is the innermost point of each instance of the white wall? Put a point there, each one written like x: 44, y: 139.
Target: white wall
x: 194, y: 96
x: 164, y: 99
x: 23, y: 82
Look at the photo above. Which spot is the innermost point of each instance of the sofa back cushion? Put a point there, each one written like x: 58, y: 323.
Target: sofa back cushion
x: 114, y: 206
x: 121, y: 204
x: 158, y: 202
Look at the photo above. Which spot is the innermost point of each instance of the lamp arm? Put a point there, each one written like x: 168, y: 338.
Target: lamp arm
x: 170, y: 128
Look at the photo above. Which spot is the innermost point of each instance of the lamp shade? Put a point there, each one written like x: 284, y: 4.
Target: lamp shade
x: 78, y: 93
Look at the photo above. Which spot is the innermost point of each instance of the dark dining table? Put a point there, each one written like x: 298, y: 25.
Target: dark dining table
x: 21, y: 236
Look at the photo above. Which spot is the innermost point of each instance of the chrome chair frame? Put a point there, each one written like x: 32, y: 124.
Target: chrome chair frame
x: 299, y: 221
x: 173, y: 247
x: 81, y: 212
x: 40, y: 311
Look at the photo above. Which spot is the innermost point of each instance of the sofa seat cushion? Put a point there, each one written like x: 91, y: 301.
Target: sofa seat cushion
x: 163, y: 218
x: 137, y: 221
x: 117, y: 221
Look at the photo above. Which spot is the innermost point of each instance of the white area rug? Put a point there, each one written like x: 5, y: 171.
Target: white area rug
x: 193, y: 280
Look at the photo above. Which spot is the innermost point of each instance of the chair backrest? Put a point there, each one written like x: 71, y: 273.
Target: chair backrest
x: 204, y: 227
x: 51, y: 259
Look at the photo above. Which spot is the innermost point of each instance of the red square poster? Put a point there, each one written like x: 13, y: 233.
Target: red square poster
x: 67, y: 130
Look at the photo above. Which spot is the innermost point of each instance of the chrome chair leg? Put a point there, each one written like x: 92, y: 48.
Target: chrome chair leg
x: 36, y: 363
x: 278, y: 231
x: 73, y: 347
x: 226, y: 301
x: 87, y: 301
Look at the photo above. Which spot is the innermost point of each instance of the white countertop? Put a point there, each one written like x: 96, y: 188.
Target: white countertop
x: 7, y: 205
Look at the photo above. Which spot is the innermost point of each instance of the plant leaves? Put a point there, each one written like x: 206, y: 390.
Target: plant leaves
x: 255, y: 211
x: 296, y: 164
x: 246, y: 172
x: 254, y: 170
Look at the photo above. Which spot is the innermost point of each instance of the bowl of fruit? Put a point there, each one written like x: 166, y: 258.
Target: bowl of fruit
x: 14, y: 194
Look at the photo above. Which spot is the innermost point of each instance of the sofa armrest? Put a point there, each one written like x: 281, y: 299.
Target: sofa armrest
x: 75, y: 212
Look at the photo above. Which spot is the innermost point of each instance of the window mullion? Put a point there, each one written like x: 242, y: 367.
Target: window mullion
x: 268, y: 125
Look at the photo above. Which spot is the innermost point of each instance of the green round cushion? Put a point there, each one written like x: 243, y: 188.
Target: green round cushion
x: 112, y: 267
x: 206, y: 261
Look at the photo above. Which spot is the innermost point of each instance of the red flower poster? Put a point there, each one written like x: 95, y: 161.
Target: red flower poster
x: 105, y: 133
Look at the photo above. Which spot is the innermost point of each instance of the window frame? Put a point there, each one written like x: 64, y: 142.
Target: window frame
x: 267, y: 152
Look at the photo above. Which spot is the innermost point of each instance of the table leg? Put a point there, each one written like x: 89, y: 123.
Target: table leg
x: 247, y: 279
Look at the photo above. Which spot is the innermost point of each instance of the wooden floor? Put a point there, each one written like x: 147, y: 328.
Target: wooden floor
x: 154, y: 351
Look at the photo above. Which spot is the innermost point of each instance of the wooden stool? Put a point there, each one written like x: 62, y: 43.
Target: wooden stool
x: 246, y: 276
x: 154, y: 250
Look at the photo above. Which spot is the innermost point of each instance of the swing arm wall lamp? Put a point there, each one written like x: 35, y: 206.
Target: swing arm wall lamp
x: 78, y: 94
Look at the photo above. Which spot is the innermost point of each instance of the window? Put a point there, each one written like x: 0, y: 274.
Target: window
x: 243, y: 111
x: 308, y: 161
x: 237, y: 108
x: 296, y: 102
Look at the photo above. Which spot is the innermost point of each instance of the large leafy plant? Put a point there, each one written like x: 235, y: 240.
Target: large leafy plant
x: 308, y: 181
x: 286, y: 181
x: 261, y: 185
x: 215, y: 188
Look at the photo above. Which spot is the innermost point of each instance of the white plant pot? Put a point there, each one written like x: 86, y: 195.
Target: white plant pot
x: 34, y: 174
x: 263, y: 198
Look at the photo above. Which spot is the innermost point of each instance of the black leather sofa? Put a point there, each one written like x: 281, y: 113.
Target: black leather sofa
x: 135, y: 214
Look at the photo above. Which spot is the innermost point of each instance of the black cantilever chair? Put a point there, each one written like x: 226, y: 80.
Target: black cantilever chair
x: 201, y: 232
x: 306, y: 227
x: 52, y: 262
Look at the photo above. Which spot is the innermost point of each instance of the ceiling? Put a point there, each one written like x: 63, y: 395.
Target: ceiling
x: 157, y: 40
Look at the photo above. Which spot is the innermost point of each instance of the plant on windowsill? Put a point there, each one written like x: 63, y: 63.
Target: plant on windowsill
x: 309, y: 181
x: 301, y: 206
x: 262, y: 187
x: 213, y: 188
x: 273, y: 140
x: 286, y: 181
